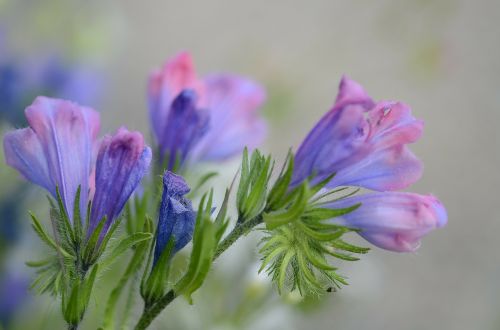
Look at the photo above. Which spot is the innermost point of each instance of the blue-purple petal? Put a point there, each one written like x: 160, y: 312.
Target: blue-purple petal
x: 177, y: 217
x: 122, y: 162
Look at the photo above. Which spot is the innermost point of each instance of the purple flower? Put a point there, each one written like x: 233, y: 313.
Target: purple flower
x: 121, y: 163
x: 229, y: 103
x: 394, y: 221
x: 177, y: 218
x: 58, y: 150
x: 186, y: 125
x: 363, y: 142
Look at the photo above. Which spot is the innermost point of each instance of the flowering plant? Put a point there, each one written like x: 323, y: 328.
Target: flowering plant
x: 306, y: 210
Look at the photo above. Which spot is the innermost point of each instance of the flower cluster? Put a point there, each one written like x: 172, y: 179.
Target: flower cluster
x: 58, y: 153
x: 312, y: 203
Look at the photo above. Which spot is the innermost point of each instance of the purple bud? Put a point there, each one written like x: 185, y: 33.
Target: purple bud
x: 185, y: 126
x: 177, y: 218
x: 121, y: 163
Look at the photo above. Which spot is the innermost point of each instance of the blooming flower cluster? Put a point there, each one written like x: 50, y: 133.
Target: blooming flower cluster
x: 57, y: 152
x: 359, y: 143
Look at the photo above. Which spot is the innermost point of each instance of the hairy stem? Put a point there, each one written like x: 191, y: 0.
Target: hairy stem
x: 151, y: 312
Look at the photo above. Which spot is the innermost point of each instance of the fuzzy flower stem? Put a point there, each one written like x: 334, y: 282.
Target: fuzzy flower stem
x: 241, y: 229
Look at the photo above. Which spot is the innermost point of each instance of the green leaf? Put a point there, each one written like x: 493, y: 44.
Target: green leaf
x: 132, y: 268
x: 256, y: 199
x: 87, y: 286
x: 71, y: 310
x: 77, y: 219
x: 63, y: 213
x: 341, y: 245
x: 90, y: 249
x: 124, y: 245
x: 317, y: 187
x: 283, y: 269
x: 275, y: 219
x: 319, y: 214
x: 154, y: 286
x: 204, y: 244
x: 37, y: 227
x: 244, y: 181
x: 281, y: 185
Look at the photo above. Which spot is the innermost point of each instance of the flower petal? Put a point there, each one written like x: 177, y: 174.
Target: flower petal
x: 57, y: 149
x: 165, y: 85
x: 235, y: 122
x: 176, y: 216
x: 336, y: 141
x: 394, y: 221
x: 121, y: 163
x: 350, y: 93
x: 388, y: 169
x: 186, y: 124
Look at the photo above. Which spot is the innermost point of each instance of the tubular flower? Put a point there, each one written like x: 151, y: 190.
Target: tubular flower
x: 363, y: 143
x: 121, y: 163
x: 177, y: 217
x: 394, y: 221
x: 57, y: 150
x: 222, y: 114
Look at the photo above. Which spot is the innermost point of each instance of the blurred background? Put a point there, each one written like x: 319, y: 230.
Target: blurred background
x: 440, y: 57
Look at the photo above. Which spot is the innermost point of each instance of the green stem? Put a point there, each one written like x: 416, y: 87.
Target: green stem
x: 132, y: 267
x: 151, y: 312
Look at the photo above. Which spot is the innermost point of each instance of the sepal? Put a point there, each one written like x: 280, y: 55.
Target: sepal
x: 205, y: 240
x: 254, y: 180
x: 299, y: 244
x: 75, y: 305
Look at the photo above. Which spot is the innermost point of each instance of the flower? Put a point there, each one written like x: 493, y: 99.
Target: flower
x: 57, y: 151
x: 222, y: 115
x: 394, y: 221
x: 121, y: 163
x: 363, y: 143
x: 177, y: 217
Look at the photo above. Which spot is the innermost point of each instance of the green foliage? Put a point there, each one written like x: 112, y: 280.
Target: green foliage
x: 300, y: 242
x: 206, y: 237
x: 71, y: 268
x: 252, y: 190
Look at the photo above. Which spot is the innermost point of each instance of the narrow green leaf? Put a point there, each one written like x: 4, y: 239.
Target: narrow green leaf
x: 283, y: 268
x: 123, y: 246
x: 341, y: 245
x: 77, y: 219
x: 320, y: 214
x: 37, y: 227
x: 90, y: 248
x: 278, y: 218
x: 282, y: 184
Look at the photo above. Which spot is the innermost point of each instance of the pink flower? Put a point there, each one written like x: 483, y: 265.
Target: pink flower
x: 229, y: 103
